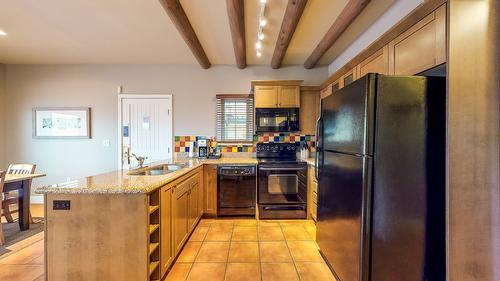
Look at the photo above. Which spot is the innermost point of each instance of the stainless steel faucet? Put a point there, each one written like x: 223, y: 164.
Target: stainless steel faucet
x: 140, y: 159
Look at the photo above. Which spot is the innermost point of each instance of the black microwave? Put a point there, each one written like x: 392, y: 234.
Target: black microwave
x: 277, y: 120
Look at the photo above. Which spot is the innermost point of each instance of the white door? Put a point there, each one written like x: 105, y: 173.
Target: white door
x: 146, y: 128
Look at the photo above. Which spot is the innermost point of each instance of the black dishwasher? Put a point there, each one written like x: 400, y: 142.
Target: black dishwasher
x: 236, y: 191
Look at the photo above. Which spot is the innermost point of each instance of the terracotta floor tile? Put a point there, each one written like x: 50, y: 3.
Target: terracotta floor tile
x: 244, y: 252
x: 303, y: 251
x: 268, y: 223
x: 245, y: 222
x: 199, y: 233
x: 207, y: 271
x: 314, y: 272
x: 206, y: 222
x: 219, y: 233
x: 179, y: 272
x: 296, y: 233
x: 189, y: 252
x: 223, y: 222
x: 244, y: 233
x: 312, y: 231
x: 40, y: 278
x: 213, y: 252
x: 270, y: 233
x: 274, y: 251
x: 243, y: 272
x: 20, y: 272
x: 279, y: 272
x: 38, y: 261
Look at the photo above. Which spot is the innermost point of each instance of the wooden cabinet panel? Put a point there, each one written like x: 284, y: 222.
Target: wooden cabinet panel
x: 193, y: 204
x: 421, y: 47
x: 210, y: 189
x: 180, y: 214
x: 376, y: 63
x: 289, y: 96
x: 167, y: 253
x: 309, y: 110
x: 266, y: 96
x: 312, y: 193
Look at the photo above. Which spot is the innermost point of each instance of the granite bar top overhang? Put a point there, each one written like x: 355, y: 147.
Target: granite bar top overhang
x: 121, y: 182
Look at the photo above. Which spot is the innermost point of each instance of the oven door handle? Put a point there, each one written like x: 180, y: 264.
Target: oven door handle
x: 282, y: 169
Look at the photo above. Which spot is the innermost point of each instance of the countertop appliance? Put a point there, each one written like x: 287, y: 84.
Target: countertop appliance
x: 202, y: 148
x: 236, y: 190
x: 282, y: 184
x: 277, y: 119
x: 381, y: 170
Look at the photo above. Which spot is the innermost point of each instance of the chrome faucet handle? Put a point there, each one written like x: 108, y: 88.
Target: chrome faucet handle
x: 140, y: 159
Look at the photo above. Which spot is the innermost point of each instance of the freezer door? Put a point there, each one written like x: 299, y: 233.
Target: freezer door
x: 408, y: 240
x: 347, y: 118
x: 343, y: 208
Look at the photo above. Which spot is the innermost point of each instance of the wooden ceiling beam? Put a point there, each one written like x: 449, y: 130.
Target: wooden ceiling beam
x: 236, y: 14
x: 178, y: 16
x: 346, y: 17
x: 291, y: 18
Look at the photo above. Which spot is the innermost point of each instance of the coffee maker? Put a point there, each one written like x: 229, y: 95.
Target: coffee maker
x: 202, y: 149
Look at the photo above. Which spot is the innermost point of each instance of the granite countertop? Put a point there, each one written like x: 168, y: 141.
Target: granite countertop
x: 120, y: 182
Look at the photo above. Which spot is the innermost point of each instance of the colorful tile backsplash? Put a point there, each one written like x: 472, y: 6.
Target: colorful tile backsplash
x: 182, y: 143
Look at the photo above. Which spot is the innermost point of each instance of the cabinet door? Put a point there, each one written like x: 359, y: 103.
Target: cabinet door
x: 309, y: 111
x: 289, y: 96
x: 376, y: 63
x: 166, y: 250
x: 210, y: 189
x: 201, y: 184
x: 180, y: 216
x: 193, y: 204
x: 266, y: 96
x: 421, y: 47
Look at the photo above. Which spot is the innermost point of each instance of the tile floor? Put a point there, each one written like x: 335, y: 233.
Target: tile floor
x: 251, y: 250
x: 218, y: 250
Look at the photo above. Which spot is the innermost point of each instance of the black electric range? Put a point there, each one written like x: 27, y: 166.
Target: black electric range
x: 282, y: 182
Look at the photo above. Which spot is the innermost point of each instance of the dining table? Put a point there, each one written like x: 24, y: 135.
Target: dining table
x: 22, y: 184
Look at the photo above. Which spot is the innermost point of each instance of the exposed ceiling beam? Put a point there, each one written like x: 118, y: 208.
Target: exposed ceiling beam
x: 178, y: 16
x: 291, y: 18
x: 236, y: 14
x: 346, y: 17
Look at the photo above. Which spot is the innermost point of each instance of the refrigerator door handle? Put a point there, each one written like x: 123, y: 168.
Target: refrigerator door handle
x: 318, y: 148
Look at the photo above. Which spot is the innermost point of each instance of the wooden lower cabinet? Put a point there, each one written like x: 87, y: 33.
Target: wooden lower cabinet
x: 180, y: 216
x: 193, y: 204
x: 210, y: 190
x: 312, y: 194
x: 167, y: 252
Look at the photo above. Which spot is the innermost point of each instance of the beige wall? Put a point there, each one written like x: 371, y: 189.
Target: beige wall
x: 2, y: 114
x: 95, y: 86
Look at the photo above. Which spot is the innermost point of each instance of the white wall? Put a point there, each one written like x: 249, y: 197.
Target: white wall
x: 394, y: 14
x: 194, y: 90
x: 2, y: 116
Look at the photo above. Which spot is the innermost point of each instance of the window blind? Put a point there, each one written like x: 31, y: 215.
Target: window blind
x: 234, y: 118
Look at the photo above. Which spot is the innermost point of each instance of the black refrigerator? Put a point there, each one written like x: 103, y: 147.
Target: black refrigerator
x: 381, y: 174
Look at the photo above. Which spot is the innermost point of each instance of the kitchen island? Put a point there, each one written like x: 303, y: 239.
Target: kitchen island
x: 123, y: 225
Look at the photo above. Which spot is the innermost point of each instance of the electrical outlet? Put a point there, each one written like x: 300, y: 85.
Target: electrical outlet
x: 61, y: 205
x: 105, y: 143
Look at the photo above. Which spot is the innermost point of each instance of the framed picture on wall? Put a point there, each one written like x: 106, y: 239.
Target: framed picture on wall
x: 61, y: 122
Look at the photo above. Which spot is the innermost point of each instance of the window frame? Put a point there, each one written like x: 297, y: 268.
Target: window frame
x: 250, y: 112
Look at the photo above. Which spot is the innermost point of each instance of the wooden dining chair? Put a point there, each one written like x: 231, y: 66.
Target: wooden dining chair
x: 2, y: 181
x: 11, y: 198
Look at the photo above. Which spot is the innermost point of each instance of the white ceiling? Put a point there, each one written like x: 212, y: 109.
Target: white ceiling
x: 140, y: 32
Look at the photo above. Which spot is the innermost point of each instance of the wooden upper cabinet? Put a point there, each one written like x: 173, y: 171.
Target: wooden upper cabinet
x: 421, y: 47
x: 376, y: 63
x: 276, y: 93
x: 266, y: 96
x: 309, y: 109
x: 288, y: 96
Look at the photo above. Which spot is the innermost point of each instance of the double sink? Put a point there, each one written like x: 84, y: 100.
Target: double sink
x: 157, y: 170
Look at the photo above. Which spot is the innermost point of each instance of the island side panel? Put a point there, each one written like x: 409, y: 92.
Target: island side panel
x: 101, y: 237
